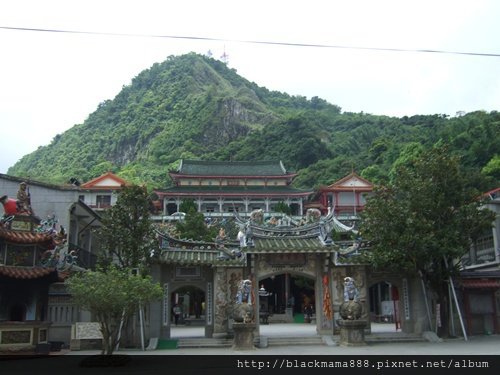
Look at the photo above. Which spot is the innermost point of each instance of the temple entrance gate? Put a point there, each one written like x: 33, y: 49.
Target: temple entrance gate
x: 289, y: 288
x: 287, y: 298
x: 190, y: 300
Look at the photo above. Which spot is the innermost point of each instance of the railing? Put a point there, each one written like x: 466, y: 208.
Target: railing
x: 224, y: 215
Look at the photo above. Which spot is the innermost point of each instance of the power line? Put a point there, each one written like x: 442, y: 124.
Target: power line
x: 267, y: 42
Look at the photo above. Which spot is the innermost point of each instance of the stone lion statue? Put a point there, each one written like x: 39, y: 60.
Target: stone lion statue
x: 243, y: 310
x: 257, y: 216
x: 313, y: 215
x: 350, y: 309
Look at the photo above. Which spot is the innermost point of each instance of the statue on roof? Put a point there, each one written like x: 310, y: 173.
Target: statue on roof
x: 241, y: 237
x: 257, y: 216
x: 221, y: 237
x: 24, y: 199
x: 19, y: 206
x: 312, y: 215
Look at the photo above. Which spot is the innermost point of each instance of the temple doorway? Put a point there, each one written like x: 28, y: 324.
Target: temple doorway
x: 287, y: 298
x: 384, y: 302
x: 189, y: 301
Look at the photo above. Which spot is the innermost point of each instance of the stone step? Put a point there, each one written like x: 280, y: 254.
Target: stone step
x: 393, y: 337
x: 295, y: 340
x: 263, y: 341
x: 202, y: 342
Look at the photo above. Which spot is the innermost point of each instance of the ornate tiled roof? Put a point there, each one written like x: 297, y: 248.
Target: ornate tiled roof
x: 200, y: 257
x: 27, y: 273
x: 261, y: 238
x: 232, y: 168
x: 289, y: 245
x: 183, y: 251
x: 24, y: 237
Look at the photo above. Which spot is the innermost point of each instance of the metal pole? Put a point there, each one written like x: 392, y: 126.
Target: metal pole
x: 141, y: 321
x: 119, y: 337
x: 452, y: 286
x: 458, y: 308
x: 426, y: 301
x: 452, y: 320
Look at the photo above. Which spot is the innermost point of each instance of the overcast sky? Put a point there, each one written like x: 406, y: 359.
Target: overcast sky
x: 366, y: 55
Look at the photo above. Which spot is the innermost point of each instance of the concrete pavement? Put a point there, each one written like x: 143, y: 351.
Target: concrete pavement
x: 475, y: 345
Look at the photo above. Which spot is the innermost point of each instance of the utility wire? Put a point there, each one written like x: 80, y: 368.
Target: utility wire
x: 252, y: 41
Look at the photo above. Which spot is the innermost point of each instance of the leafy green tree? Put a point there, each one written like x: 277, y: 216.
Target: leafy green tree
x: 194, y: 227
x: 424, y: 221
x: 127, y: 236
x: 112, y: 296
x: 188, y: 206
x: 101, y: 168
x: 283, y: 207
x: 493, y: 168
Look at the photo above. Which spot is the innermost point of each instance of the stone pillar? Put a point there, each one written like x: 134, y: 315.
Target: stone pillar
x: 155, y: 308
x: 243, y: 336
x: 352, y: 332
x: 221, y: 303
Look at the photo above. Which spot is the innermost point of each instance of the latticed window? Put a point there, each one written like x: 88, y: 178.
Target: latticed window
x: 103, y: 201
x: 482, y: 251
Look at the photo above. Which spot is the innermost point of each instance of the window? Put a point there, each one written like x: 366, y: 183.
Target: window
x: 20, y: 255
x: 482, y: 251
x: 103, y: 201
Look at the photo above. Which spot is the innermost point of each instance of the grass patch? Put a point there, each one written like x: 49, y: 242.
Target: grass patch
x: 298, y: 318
x: 167, y: 344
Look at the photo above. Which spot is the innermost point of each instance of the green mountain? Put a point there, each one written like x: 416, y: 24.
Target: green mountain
x: 195, y: 107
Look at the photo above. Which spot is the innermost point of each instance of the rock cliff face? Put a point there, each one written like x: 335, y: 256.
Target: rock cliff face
x: 236, y: 120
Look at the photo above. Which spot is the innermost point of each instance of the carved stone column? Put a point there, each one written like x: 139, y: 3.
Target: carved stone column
x: 221, y: 303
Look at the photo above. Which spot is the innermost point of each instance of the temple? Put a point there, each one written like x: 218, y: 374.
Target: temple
x: 221, y: 188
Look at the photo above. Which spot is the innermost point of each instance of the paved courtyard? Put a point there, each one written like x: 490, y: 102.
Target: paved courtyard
x: 474, y: 345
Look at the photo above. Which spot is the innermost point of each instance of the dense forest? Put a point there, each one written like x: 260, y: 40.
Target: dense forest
x: 195, y: 107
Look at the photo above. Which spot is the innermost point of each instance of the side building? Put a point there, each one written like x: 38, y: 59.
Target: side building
x: 45, y: 233
x: 480, y: 276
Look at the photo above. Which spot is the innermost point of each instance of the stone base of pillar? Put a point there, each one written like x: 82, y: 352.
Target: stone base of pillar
x: 243, y: 336
x: 352, y: 332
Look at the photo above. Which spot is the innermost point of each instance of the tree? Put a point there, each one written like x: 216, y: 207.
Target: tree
x: 127, y: 235
x: 493, y: 168
x: 424, y: 221
x: 187, y: 206
x: 194, y: 227
x: 112, y: 295
x: 283, y: 207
